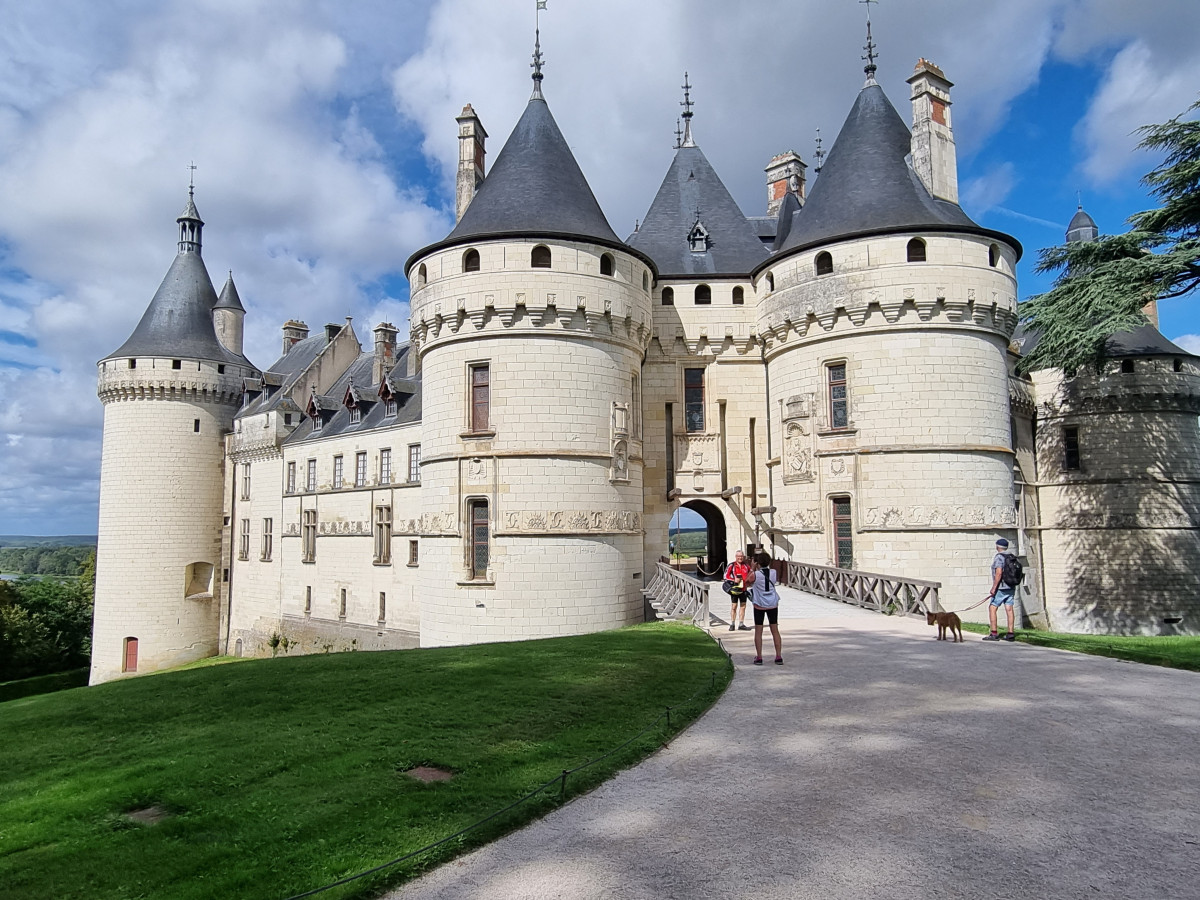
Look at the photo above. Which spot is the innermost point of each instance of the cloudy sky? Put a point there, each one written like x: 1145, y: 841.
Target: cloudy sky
x: 324, y: 138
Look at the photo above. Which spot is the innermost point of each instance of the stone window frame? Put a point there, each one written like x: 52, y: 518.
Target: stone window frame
x: 383, y: 534
x: 310, y: 475
x: 702, y: 295
x: 244, y: 540
x: 607, y: 265
x: 477, y: 426
x: 385, y: 465
x: 834, y: 519
x: 339, y: 471
x: 475, y: 573
x: 687, y: 423
x: 667, y: 297
x: 541, y: 257
x: 360, y: 469
x: 739, y: 295
x: 1072, y: 455
x: 828, y: 384
x: 290, y: 482
x: 245, y: 481
x: 414, y: 463
x: 267, y: 541
x: 308, y: 535
x: 916, y: 250
x: 823, y: 263
x: 470, y: 260
x: 414, y: 551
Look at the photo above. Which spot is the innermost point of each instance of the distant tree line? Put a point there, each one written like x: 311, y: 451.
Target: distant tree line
x: 46, y: 624
x: 44, y: 560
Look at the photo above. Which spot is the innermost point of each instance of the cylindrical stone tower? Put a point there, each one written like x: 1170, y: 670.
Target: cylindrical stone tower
x: 531, y: 320
x: 169, y: 395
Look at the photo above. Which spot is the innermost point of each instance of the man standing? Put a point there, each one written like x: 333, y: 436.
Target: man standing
x: 735, y: 575
x: 1002, y: 594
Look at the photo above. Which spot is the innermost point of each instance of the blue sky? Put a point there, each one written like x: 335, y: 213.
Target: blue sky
x: 324, y: 137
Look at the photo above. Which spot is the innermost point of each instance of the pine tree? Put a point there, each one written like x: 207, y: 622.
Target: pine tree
x: 1103, y: 285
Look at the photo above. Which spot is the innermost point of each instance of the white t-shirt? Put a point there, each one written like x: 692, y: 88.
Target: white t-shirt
x: 763, y: 593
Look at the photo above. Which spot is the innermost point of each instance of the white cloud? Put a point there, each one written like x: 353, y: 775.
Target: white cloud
x: 1189, y: 342
x: 989, y: 190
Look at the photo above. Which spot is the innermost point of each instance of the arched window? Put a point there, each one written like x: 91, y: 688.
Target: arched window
x: 422, y: 276
x: 824, y: 263
x: 703, y: 294
x: 916, y: 250
x: 668, y: 297
x: 471, y: 261
x: 1127, y: 367
x: 1177, y: 365
x: 539, y: 258
x: 770, y: 282
x: 993, y: 256
x: 739, y: 296
x: 606, y: 264
x: 645, y: 281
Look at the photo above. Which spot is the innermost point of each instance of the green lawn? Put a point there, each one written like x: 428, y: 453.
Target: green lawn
x: 283, y: 775
x: 1175, y: 652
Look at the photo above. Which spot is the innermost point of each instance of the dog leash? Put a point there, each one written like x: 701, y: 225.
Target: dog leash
x: 968, y: 609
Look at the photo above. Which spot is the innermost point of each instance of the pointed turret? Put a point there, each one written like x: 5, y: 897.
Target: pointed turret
x: 229, y: 316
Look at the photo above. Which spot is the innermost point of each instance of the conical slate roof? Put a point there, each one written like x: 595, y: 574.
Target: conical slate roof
x: 1144, y: 341
x: 535, y: 188
x: 692, y: 191
x: 229, y: 298
x: 1082, y: 227
x: 867, y: 185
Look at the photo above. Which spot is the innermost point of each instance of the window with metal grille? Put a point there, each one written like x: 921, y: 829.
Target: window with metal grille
x: 311, y: 482
x: 308, y: 536
x: 693, y: 399
x: 383, y: 535
x: 1071, y: 458
x: 480, y: 396
x: 479, y: 538
x: 338, y: 472
x: 839, y: 398
x: 360, y: 468
x: 414, y: 463
x: 291, y: 478
x: 268, y: 539
x: 244, y: 542
x: 385, y: 466
x: 843, y: 533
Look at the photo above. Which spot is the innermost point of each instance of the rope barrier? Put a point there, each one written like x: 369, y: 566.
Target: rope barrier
x: 560, y: 780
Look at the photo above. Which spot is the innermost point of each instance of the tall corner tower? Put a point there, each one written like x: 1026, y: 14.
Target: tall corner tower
x: 169, y: 395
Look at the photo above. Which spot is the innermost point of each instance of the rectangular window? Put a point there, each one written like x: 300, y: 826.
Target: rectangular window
x: 635, y: 408
x: 244, y: 542
x: 196, y: 426
x: 414, y: 463
x: 311, y: 482
x: 308, y: 534
x: 412, y: 553
x: 382, y: 607
x: 308, y: 600
x: 360, y: 468
x: 693, y: 400
x: 383, y: 535
x: 342, y: 604
x: 267, y: 539
x: 355, y: 415
x: 839, y: 400
x: 291, y: 478
x: 1071, y: 448
x: 389, y: 407
x: 843, y: 533
x: 338, y: 473
x: 318, y: 423
x: 245, y: 481
x: 480, y: 396
x: 479, y: 538
x: 385, y: 466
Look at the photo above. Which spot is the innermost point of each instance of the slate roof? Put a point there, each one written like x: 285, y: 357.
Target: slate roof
x: 867, y: 185
x: 691, y: 183
x: 535, y: 189
x: 1082, y: 227
x: 282, y: 375
x: 1144, y: 341
x: 229, y: 298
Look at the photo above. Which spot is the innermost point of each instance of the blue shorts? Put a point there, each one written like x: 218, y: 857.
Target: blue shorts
x: 1004, y: 596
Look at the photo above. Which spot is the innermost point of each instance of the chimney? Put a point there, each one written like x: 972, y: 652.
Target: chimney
x: 471, y: 137
x: 385, y: 351
x: 933, y: 155
x: 331, y: 331
x: 785, y: 174
x: 294, y: 331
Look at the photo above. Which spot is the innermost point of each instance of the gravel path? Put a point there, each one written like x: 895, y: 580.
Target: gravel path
x: 880, y: 763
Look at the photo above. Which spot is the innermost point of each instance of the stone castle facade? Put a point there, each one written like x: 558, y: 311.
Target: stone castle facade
x: 835, y: 380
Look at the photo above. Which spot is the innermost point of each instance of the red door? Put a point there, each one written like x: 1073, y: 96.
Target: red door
x: 130, y: 655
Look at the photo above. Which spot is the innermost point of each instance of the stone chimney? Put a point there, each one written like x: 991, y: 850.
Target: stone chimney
x: 331, y: 331
x: 294, y: 331
x: 471, y: 137
x: 385, y: 351
x: 933, y: 155
x: 785, y: 174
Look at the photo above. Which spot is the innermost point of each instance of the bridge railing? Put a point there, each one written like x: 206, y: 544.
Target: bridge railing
x: 883, y: 593
x: 676, y: 595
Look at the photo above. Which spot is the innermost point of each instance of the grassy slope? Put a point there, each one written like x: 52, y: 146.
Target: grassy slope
x: 283, y: 774
x: 1176, y: 652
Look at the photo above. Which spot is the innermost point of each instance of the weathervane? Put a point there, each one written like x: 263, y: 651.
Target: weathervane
x: 819, y: 154
x: 686, y: 103
x: 870, y: 67
x: 192, y: 178
x: 537, y: 51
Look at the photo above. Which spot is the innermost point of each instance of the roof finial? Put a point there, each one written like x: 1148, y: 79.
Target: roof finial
x: 819, y: 154
x: 870, y: 67
x: 686, y: 103
x: 537, y: 51
x: 192, y: 179
x: 1079, y: 199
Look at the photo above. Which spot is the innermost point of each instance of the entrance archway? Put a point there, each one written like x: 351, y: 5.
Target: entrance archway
x: 713, y: 564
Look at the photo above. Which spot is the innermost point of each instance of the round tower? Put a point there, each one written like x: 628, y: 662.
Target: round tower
x: 885, y: 316
x: 169, y: 395
x: 531, y: 320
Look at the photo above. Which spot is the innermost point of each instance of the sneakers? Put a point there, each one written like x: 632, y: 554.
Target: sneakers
x: 779, y: 660
x: 732, y: 627
x: 743, y: 627
x: 1010, y: 637
x: 991, y: 637
x: 758, y: 660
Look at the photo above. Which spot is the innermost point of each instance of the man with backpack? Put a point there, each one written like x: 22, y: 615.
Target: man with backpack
x: 1007, y: 573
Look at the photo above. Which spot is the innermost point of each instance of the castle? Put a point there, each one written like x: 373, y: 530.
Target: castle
x: 835, y: 379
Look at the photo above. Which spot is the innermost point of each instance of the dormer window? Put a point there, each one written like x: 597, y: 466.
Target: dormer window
x: 355, y: 415
x: 698, y: 238
x: 389, y: 406
x: 318, y: 423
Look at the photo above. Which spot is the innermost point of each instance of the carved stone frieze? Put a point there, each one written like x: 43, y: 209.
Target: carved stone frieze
x: 797, y: 453
x: 1156, y: 518
x: 793, y: 519
x: 896, y: 517
x: 698, y: 453
x: 613, y: 521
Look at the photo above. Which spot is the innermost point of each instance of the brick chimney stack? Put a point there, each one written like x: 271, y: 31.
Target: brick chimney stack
x: 933, y: 154
x: 385, y: 351
x: 785, y: 174
x: 294, y: 331
x: 471, y: 137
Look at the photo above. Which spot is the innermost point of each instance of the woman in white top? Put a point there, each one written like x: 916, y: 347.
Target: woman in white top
x: 765, y: 597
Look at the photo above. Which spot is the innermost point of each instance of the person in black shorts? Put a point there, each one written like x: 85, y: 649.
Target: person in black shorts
x: 764, y: 595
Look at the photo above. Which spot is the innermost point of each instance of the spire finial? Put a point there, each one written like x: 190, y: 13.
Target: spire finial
x: 678, y: 134
x: 686, y: 103
x: 1079, y: 199
x: 819, y: 154
x: 870, y: 67
x: 192, y: 179
x: 537, y: 51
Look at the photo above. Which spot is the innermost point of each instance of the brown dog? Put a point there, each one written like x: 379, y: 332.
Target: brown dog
x: 944, y: 621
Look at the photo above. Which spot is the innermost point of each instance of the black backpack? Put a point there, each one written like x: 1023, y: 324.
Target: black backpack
x: 1013, y: 572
